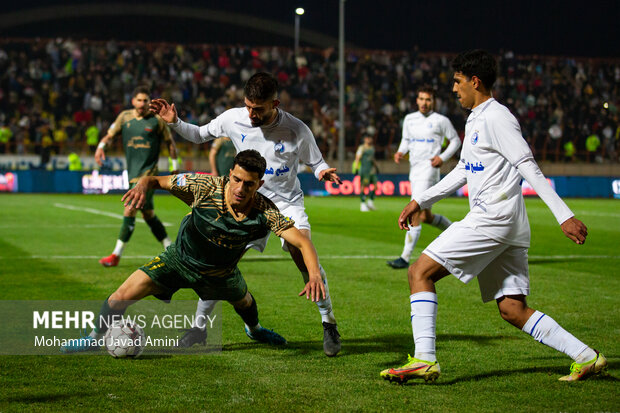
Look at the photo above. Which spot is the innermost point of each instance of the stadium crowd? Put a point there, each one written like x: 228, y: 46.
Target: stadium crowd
x: 60, y: 95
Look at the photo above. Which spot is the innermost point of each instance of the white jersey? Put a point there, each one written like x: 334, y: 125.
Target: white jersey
x: 283, y: 144
x: 422, y: 137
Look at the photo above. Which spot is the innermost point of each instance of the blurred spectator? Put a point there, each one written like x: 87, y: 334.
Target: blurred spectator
x: 5, y: 138
x: 71, y: 84
x: 92, y: 138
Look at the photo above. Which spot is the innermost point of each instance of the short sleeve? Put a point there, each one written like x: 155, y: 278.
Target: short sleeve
x: 115, y: 128
x: 277, y: 222
x: 191, y: 188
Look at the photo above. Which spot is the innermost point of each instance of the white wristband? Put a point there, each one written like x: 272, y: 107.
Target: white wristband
x: 101, y: 145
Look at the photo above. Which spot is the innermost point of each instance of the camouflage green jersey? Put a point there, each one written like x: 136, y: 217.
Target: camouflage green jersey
x: 225, y: 156
x: 367, y: 156
x: 142, y: 139
x: 210, y: 240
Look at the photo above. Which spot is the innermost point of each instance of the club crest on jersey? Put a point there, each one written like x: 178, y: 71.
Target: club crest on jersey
x: 474, y: 138
x: 147, y: 129
x: 181, y: 180
x: 279, y: 147
x: 429, y: 125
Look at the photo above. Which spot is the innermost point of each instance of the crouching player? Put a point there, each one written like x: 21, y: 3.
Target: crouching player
x: 227, y: 214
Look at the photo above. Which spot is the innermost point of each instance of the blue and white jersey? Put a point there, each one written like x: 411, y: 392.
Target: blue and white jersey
x: 283, y: 144
x: 492, y: 149
x: 422, y: 138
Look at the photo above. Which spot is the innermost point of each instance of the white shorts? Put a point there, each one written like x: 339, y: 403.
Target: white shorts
x: 501, y: 268
x: 297, y: 212
x: 417, y: 187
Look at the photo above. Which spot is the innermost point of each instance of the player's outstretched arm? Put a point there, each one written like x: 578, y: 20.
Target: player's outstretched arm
x: 136, y: 196
x: 164, y: 109
x: 314, y: 289
x: 329, y: 174
x: 575, y: 230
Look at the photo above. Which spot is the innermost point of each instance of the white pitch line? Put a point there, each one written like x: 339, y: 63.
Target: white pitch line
x: 323, y: 257
x: 99, y: 212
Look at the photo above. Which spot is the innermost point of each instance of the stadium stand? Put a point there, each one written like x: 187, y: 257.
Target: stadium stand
x: 53, y: 90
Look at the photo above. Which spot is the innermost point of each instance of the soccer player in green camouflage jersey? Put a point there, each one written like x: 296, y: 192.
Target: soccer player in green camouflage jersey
x: 227, y: 213
x: 143, y: 134
x: 221, y: 156
x: 364, y: 164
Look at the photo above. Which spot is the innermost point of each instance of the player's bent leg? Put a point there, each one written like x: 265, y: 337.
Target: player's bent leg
x: 331, y: 336
x: 413, y: 369
x: 544, y: 329
x: 424, y: 273
x: 198, y: 333
x: 248, y: 311
x: 127, y: 228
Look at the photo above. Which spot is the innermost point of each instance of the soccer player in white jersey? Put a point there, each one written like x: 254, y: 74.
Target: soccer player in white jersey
x: 491, y: 242
x: 423, y: 135
x: 284, y: 141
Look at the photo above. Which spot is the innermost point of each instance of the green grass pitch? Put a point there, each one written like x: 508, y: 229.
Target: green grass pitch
x: 50, y: 244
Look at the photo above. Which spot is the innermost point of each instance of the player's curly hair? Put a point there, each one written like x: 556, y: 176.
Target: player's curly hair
x: 479, y: 63
x: 251, y: 161
x: 260, y: 87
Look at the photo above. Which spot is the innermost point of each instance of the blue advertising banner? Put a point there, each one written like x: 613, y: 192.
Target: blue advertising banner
x: 97, y: 182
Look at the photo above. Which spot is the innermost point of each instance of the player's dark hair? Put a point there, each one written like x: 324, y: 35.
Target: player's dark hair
x: 260, y: 87
x: 479, y: 63
x: 426, y: 89
x: 251, y: 161
x: 141, y: 89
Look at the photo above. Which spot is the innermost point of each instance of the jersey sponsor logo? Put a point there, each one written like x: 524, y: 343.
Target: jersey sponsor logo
x: 473, y: 168
x: 474, y: 138
x: 138, y: 142
x: 277, y: 172
x: 278, y: 147
x: 181, y: 180
x: 243, y: 137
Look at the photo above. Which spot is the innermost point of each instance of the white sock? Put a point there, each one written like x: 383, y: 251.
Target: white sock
x: 325, y: 305
x: 441, y: 222
x: 253, y: 328
x: 166, y: 242
x: 545, y: 330
x: 118, y: 249
x: 411, y: 239
x: 203, y: 309
x: 423, y: 321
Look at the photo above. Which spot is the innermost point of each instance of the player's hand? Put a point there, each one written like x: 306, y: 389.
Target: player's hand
x: 99, y: 156
x: 436, y: 161
x: 575, y: 230
x: 162, y: 108
x: 398, y: 156
x: 135, y: 197
x: 314, y: 289
x: 404, y: 220
x: 329, y: 174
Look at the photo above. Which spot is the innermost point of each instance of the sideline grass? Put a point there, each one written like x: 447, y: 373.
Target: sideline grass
x: 487, y: 365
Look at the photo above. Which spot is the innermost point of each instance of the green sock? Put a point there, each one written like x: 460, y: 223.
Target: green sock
x: 106, y: 317
x: 129, y: 223
x: 157, y: 228
x: 249, y: 315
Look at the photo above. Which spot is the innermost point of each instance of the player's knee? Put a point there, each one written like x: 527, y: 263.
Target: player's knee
x: 244, y: 303
x: 417, y: 274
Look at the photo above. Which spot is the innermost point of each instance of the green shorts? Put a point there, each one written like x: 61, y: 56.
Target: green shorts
x: 368, y: 178
x: 168, y: 271
x: 148, y: 205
